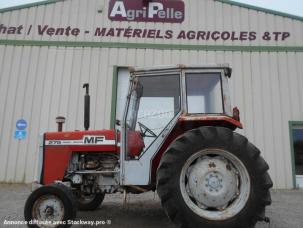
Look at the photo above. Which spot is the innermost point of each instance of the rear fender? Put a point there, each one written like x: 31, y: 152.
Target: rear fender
x: 187, y: 123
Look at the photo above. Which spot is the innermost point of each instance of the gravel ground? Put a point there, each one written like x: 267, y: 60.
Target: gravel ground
x: 144, y: 211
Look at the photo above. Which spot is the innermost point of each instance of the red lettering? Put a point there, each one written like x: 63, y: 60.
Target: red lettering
x: 225, y: 35
x: 285, y: 35
x: 168, y: 34
x: 182, y: 35
x: 111, y: 32
x: 233, y: 36
x: 201, y: 35
x: 75, y: 32
x: 215, y: 35
x: 191, y: 35
x: 158, y: 35
x: 252, y: 36
x: 151, y: 33
x: 243, y: 36
x: 100, y: 32
x: 41, y: 29
x: 50, y: 31
x: 119, y: 31
x: 276, y: 35
x: 137, y: 33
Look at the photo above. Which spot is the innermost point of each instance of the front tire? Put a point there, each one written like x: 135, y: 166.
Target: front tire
x: 211, y: 177
x: 90, y: 202
x: 50, y: 205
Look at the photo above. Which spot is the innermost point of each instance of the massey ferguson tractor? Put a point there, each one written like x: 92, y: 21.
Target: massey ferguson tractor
x: 177, y: 137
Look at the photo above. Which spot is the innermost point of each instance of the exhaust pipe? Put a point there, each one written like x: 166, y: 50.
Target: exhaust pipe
x: 60, y: 120
x: 86, y: 106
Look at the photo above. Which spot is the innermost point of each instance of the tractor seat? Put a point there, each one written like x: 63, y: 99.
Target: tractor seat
x: 135, y: 144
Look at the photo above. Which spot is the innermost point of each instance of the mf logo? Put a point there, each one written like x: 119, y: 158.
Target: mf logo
x: 93, y: 139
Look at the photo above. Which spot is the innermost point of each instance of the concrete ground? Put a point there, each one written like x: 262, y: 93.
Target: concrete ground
x: 144, y: 211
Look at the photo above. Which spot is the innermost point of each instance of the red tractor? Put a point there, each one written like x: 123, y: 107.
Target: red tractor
x: 176, y: 137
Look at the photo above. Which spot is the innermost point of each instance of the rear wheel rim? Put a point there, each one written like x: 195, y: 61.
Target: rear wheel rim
x: 48, y: 210
x: 215, y: 184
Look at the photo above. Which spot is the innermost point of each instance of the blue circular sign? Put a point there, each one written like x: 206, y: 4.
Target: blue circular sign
x: 21, y: 125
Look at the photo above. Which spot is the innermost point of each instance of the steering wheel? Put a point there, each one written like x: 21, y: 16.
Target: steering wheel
x: 146, y: 132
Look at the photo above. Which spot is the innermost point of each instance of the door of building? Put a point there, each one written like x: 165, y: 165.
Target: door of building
x: 297, y: 148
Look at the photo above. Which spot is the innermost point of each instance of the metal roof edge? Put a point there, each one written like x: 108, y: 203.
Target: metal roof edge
x: 257, y: 8
x: 24, y: 6
x: 243, y: 5
x: 152, y: 46
x: 180, y: 66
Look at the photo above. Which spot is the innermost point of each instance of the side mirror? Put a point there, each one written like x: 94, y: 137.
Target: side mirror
x: 118, y: 122
x: 227, y: 72
x: 140, y: 91
x: 138, y: 87
x: 236, y: 114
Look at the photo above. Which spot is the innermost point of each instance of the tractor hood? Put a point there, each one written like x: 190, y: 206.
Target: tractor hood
x: 58, y: 147
x: 87, y: 140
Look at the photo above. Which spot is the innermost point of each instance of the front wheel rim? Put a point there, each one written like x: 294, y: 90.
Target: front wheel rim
x: 48, y: 210
x: 215, y: 184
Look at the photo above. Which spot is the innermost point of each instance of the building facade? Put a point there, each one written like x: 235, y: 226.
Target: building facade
x: 49, y: 49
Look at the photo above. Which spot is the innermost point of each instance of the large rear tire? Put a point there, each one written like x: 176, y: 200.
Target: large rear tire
x: 212, y: 177
x: 50, y: 206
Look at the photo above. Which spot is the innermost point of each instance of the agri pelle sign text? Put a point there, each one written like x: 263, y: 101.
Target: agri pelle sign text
x: 147, y: 11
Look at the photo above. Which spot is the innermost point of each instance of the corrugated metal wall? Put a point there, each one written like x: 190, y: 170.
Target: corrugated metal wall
x: 40, y: 83
x: 205, y: 15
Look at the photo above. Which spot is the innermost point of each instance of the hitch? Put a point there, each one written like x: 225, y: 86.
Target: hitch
x: 265, y: 219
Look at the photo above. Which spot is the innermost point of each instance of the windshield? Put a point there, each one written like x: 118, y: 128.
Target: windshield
x: 154, y: 101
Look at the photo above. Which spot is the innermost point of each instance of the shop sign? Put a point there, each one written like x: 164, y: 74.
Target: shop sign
x: 147, y: 11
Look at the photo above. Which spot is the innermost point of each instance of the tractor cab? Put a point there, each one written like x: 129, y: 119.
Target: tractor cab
x: 158, y: 98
